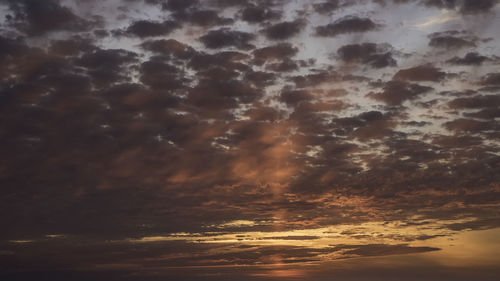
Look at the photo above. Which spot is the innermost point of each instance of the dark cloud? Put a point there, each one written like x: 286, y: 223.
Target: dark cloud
x: 227, y: 60
x: 305, y: 237
x: 457, y: 141
x: 479, y: 101
x: 315, y: 79
x: 146, y: 28
x: 107, y: 66
x: 367, y: 53
x: 160, y: 75
x: 469, y: 126
x: 349, y: 24
x: 205, y: 18
x: 71, y: 47
x: 284, y: 30
x: 417, y: 124
x: 426, y: 72
x: 284, y: 66
x: 491, y: 79
x: 442, y: 4
x: 294, y: 97
x: 232, y: 3
x: 258, y: 14
x: 37, y: 18
x: 469, y: 59
x: 101, y: 33
x: 451, y: 40
x: 478, y: 224
x: 396, y: 92
x: 466, y: 7
x: 109, y: 58
x: 487, y: 113
x: 260, y: 78
x: 170, y: 48
x: 227, y: 38
x: 474, y: 7
x: 280, y: 51
x: 327, y: 6
x: 12, y: 47
x: 459, y: 93
x: 179, y: 5
x: 212, y: 96
x: 382, y: 249
x: 263, y: 113
x: 372, y: 125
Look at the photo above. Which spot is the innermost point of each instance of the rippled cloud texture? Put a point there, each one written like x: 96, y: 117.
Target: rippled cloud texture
x: 249, y: 140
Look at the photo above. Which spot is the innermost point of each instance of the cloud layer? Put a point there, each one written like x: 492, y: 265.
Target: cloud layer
x: 141, y: 138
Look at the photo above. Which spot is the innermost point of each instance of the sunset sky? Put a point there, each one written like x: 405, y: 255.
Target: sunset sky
x: 183, y: 140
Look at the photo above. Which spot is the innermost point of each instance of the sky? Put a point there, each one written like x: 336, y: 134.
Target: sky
x: 158, y: 140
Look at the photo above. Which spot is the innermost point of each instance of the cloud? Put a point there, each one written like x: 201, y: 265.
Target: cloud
x: 146, y: 28
x: 451, y: 40
x: 230, y: 3
x: 107, y: 66
x: 488, y: 113
x: 367, y: 53
x: 327, y: 6
x: 396, y: 92
x: 291, y: 238
x: 12, y: 47
x: 471, y: 58
x: 258, y: 14
x: 475, y: 7
x: 280, y: 51
x: 159, y: 75
x: 426, y: 72
x: 212, y: 96
x: 480, y: 101
x: 373, y: 125
x: 448, y: 4
x: 179, y: 5
x: 315, y: 79
x: 170, y: 48
x: 72, y: 46
x: 491, y: 79
x: 227, y: 38
x: 466, y: 7
x: 469, y: 126
x: 349, y: 24
x: 381, y: 249
x: 263, y: 113
x: 294, y: 97
x: 205, y: 18
x: 38, y: 18
x: 228, y: 60
x: 147, y: 138
x: 284, y: 30
x: 287, y: 65
x: 486, y: 223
